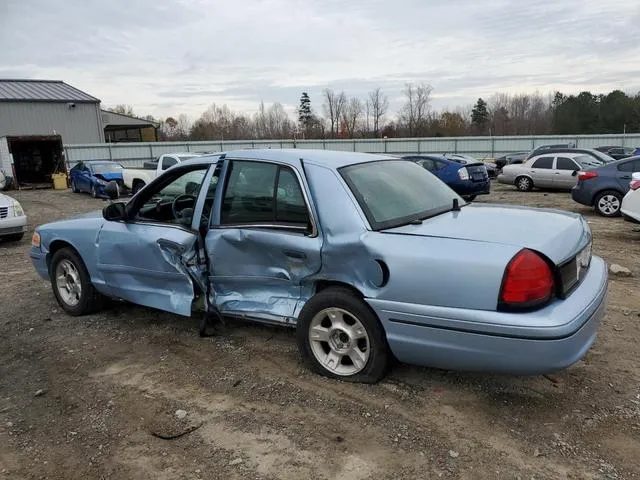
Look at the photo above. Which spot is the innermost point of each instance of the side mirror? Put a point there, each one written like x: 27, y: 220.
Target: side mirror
x: 635, y: 176
x: 111, y: 190
x: 114, y: 211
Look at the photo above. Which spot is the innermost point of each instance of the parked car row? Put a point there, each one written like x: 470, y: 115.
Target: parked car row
x: 365, y: 255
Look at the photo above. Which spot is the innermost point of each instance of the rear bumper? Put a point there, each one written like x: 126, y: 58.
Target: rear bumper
x: 472, y: 188
x: 467, y: 340
x: 13, y: 225
x: 582, y: 196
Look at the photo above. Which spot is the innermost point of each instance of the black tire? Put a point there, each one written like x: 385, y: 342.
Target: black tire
x: 94, y: 191
x: 74, y: 189
x: 338, y: 297
x: 90, y: 299
x: 608, y: 203
x: 469, y: 198
x: 137, y: 186
x: 16, y: 237
x: 524, y: 184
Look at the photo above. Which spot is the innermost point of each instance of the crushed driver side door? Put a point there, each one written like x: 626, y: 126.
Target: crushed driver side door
x: 152, y: 262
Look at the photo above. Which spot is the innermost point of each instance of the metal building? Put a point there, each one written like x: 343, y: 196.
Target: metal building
x: 36, y: 118
x: 49, y: 107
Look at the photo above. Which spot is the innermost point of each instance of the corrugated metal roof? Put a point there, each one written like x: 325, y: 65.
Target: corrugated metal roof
x: 41, y: 91
x: 115, y: 119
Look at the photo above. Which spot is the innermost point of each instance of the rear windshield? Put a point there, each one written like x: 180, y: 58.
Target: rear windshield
x: 587, y: 161
x: 605, y: 158
x: 395, y: 192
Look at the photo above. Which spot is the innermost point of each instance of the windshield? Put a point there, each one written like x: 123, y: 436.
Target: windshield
x: 587, y: 161
x: 106, y: 168
x: 395, y: 192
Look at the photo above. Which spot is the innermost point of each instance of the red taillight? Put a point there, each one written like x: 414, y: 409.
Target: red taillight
x: 634, y: 185
x: 587, y: 175
x: 528, y: 281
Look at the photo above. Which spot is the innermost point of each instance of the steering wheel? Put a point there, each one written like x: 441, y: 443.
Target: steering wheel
x: 181, y: 215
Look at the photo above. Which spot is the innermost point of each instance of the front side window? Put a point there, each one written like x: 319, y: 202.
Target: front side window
x: 392, y: 193
x: 173, y: 201
x: 543, y: 162
x: 565, y: 163
x: 263, y: 193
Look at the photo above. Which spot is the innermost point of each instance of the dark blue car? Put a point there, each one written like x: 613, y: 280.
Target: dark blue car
x: 604, y: 187
x: 92, y: 176
x: 468, y: 180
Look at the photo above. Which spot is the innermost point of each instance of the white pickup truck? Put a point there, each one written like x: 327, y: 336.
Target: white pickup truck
x: 136, y: 178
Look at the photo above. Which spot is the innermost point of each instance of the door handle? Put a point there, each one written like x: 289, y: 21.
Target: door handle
x: 295, y: 254
x: 626, y: 177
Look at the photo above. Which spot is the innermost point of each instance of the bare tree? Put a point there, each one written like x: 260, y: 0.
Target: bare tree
x: 352, y: 116
x: 333, y: 107
x: 379, y: 106
x: 414, y: 114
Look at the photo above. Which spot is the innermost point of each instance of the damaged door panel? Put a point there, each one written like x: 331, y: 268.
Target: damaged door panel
x: 264, y: 241
x: 258, y: 272
x: 157, y: 267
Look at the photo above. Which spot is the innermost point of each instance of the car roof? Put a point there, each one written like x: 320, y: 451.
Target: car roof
x: 291, y: 156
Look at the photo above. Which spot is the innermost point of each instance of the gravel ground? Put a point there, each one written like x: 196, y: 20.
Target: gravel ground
x: 96, y: 397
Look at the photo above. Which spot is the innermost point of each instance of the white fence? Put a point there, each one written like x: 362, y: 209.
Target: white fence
x: 134, y: 154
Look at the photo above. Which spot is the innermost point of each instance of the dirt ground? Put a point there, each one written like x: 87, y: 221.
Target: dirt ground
x: 91, y: 397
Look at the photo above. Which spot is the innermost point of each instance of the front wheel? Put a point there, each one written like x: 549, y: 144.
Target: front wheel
x: 469, y: 198
x: 608, y: 203
x: 74, y: 189
x: 71, y: 284
x: 340, y: 337
x: 137, y: 186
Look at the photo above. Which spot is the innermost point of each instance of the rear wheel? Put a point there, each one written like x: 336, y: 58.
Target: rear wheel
x: 71, y: 284
x: 608, y: 203
x: 524, y: 184
x: 340, y: 337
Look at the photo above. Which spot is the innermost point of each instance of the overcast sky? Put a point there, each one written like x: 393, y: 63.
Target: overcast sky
x: 167, y: 57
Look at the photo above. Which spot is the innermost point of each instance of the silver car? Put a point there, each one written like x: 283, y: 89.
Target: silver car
x: 553, y: 170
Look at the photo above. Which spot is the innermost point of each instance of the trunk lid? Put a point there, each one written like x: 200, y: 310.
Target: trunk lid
x: 477, y: 172
x: 556, y: 234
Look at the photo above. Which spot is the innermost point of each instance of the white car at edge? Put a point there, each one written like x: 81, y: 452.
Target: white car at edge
x: 13, y: 221
x: 631, y: 202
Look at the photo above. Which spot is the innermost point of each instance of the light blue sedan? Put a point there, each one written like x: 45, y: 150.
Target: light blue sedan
x: 369, y: 257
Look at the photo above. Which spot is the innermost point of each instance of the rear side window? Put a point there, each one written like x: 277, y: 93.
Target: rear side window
x: 168, y: 162
x: 427, y: 164
x: 543, y: 162
x: 564, y: 163
x: 263, y: 193
x: 632, y: 166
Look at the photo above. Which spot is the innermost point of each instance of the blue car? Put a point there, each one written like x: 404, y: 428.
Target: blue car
x: 604, y: 187
x: 93, y: 176
x: 365, y: 255
x: 466, y: 179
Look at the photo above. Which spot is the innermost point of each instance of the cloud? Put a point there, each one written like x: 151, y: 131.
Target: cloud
x: 179, y: 56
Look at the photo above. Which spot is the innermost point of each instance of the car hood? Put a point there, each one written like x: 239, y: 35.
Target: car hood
x: 93, y: 214
x: 109, y: 176
x: 557, y: 234
x: 5, y: 200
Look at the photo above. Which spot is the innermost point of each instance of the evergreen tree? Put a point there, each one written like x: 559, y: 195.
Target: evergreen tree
x: 480, y: 115
x: 304, y: 111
